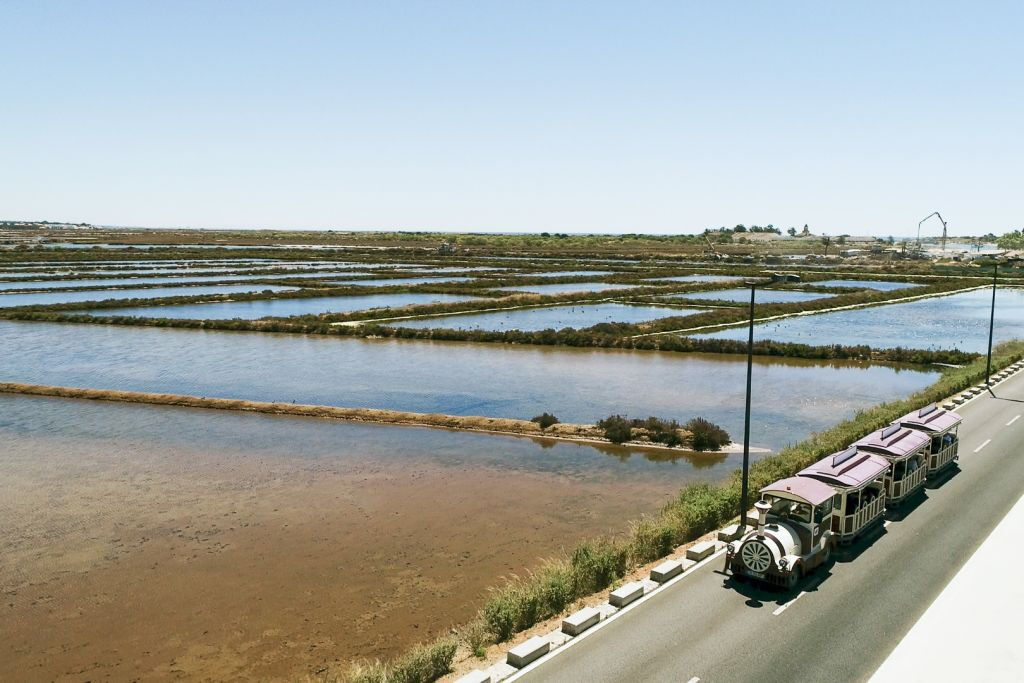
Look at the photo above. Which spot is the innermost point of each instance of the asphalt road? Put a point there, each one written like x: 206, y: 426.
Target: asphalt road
x: 844, y: 621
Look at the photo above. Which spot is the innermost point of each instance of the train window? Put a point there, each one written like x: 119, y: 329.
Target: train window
x: 837, y: 501
x: 822, y: 511
x: 801, y: 512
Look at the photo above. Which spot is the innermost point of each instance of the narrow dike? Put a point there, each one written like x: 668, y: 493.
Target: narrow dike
x: 579, y: 433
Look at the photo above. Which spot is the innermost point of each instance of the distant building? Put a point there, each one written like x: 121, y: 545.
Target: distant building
x: 448, y: 248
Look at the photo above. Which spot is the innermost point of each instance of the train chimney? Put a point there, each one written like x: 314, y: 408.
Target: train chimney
x: 762, y: 508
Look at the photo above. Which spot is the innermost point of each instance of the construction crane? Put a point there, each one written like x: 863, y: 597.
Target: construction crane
x: 715, y: 256
x: 933, y: 213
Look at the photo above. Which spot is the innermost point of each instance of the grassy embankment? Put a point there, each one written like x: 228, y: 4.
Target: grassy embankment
x: 596, y: 564
x: 649, y: 434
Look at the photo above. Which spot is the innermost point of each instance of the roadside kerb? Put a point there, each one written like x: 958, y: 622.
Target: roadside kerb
x: 610, y: 613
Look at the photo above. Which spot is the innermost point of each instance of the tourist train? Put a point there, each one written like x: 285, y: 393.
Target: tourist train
x: 802, y: 519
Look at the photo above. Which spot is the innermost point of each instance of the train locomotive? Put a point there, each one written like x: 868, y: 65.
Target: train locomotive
x: 802, y: 519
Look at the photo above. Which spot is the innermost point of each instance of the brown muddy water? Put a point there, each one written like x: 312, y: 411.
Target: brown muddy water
x: 144, y: 542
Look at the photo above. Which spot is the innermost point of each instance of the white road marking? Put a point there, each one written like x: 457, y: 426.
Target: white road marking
x: 1012, y: 421
x: 693, y: 680
x: 982, y: 445
x: 782, y: 608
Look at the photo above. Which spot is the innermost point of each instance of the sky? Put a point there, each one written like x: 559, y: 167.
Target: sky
x: 657, y: 117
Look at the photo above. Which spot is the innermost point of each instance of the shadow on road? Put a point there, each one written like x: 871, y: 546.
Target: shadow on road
x: 940, y: 481
x: 900, y: 512
x: 760, y: 595
x: 1004, y: 398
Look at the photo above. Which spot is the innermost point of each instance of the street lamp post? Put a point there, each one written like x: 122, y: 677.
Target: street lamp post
x: 991, y: 325
x: 746, y: 419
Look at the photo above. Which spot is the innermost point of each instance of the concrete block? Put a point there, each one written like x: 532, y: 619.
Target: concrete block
x: 475, y: 676
x: 623, y: 595
x: 501, y: 671
x: 959, y: 400
x: 578, y: 622
x: 729, y: 533
x: 528, y: 652
x: 949, y: 405
x: 556, y: 638
x: 666, y: 570
x: 700, y: 551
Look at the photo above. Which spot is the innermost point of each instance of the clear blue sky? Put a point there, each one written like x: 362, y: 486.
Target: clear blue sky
x: 858, y: 117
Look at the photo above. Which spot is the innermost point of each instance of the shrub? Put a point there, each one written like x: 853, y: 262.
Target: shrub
x: 422, y: 664
x: 545, y: 420
x: 596, y: 565
x: 706, y: 435
x: 660, y: 431
x: 617, y: 428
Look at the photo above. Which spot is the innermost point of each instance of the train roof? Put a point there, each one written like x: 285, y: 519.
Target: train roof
x: 931, y: 419
x: 895, y: 440
x: 850, y: 468
x: 810, y: 490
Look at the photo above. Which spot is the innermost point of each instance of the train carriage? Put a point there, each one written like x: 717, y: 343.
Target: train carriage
x: 907, y: 451
x: 858, y: 478
x: 941, y: 426
x: 793, y: 533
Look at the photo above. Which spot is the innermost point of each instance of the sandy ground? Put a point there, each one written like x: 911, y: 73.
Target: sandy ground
x: 125, y: 559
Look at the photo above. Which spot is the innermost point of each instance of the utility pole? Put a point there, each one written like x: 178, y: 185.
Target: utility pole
x: 746, y: 419
x: 991, y: 325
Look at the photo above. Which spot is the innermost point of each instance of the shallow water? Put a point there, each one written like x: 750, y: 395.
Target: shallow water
x: 162, y: 280
x: 956, y: 321
x: 567, y: 287
x: 154, y: 543
x: 390, y: 282
x: 252, y: 310
x: 791, y: 398
x: 46, y: 298
x: 763, y: 296
x: 700, y: 277
x: 570, y: 273
x: 551, y: 317
x: 880, y: 285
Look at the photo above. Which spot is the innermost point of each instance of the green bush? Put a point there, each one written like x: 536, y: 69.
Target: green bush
x: 422, y: 664
x: 545, y: 420
x: 617, y: 428
x: 705, y: 435
x: 660, y: 431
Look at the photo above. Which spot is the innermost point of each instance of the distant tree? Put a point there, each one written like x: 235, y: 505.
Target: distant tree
x: 616, y: 428
x: 792, y: 231
x: 841, y: 240
x: 545, y: 420
x: 706, y: 435
x: 740, y: 228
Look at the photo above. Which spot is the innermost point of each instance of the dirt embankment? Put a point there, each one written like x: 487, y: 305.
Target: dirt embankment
x: 574, y: 432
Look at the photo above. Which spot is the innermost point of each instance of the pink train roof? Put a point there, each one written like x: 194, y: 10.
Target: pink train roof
x: 895, y: 440
x: 931, y: 419
x: 811, y: 490
x: 847, y: 468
